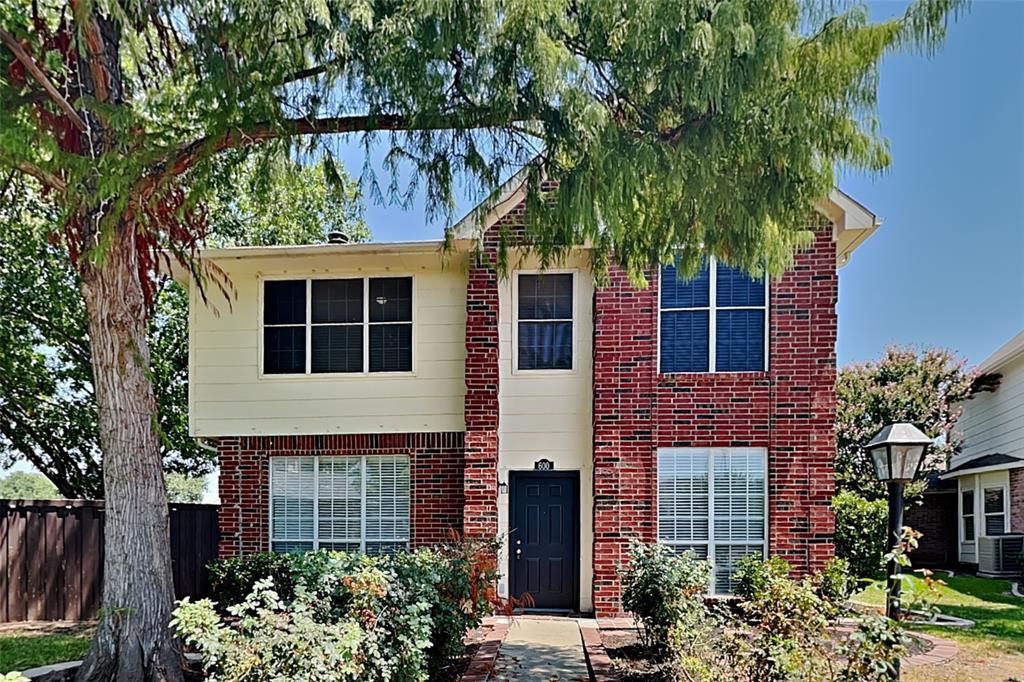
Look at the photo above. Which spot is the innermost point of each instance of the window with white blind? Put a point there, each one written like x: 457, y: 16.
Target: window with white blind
x: 352, y: 504
x: 713, y: 501
x: 337, y: 326
x: 714, y: 322
x: 995, y: 511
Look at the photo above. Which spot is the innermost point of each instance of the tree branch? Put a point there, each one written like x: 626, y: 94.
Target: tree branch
x: 189, y: 154
x: 37, y: 73
x: 47, y: 178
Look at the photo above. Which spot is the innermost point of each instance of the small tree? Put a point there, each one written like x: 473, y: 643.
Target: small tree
x: 27, y: 485
x: 923, y: 388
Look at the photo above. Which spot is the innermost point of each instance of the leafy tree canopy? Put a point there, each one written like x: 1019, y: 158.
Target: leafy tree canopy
x: 27, y: 485
x: 905, y: 385
x: 710, y: 125
x: 47, y: 407
x: 182, y: 488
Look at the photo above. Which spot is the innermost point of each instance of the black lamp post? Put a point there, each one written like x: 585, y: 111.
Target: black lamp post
x: 897, y: 453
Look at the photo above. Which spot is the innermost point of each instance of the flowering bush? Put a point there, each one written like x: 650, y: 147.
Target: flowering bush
x: 783, y: 630
x: 410, y: 611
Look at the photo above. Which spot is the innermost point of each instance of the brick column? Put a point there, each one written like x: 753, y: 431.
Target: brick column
x: 480, y: 481
x: 624, y: 456
x: 1017, y: 500
x: 801, y: 473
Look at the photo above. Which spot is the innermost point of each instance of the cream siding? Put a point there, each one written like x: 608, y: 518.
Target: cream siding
x: 548, y: 414
x: 229, y: 396
x: 994, y: 422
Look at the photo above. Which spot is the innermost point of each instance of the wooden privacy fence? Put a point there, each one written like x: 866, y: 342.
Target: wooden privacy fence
x: 51, y: 556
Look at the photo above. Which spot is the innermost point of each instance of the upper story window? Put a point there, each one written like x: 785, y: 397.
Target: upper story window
x: 544, y: 321
x: 715, y: 322
x: 317, y: 326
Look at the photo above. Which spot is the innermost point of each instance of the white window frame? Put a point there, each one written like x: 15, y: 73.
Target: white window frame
x: 316, y: 503
x: 973, y: 515
x: 713, y: 309
x: 365, y: 323
x: 515, y: 322
x: 1005, y: 512
x: 711, y: 543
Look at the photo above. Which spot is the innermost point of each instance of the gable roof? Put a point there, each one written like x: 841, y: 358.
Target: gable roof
x: 853, y: 222
x: 1007, y: 353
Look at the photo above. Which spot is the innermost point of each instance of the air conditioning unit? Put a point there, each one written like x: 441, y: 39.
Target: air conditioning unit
x: 999, y: 556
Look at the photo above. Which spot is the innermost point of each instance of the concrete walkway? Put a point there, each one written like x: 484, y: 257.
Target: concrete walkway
x: 539, y: 649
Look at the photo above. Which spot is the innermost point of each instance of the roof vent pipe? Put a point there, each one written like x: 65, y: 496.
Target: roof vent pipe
x: 335, y: 237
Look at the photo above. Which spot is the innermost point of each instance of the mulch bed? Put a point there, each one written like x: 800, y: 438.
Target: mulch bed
x: 631, y: 662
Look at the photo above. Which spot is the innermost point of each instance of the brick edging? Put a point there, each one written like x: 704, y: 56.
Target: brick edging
x: 480, y: 668
x: 942, y: 650
x: 598, y: 662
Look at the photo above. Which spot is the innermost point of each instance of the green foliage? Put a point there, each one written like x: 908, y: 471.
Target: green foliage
x: 783, y: 632
x: 271, y: 640
x: 27, y: 485
x: 905, y: 385
x: 660, y: 588
x: 835, y: 582
x: 671, y: 124
x: 861, y: 537
x: 413, y: 609
x: 753, y: 574
x: 182, y: 488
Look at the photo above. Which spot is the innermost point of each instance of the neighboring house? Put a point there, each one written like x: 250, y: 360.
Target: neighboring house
x: 989, y: 469
x: 377, y: 396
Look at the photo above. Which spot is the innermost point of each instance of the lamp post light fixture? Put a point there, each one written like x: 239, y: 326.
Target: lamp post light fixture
x: 897, y: 453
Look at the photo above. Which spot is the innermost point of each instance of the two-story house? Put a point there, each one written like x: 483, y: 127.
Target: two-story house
x: 375, y: 396
x: 989, y: 469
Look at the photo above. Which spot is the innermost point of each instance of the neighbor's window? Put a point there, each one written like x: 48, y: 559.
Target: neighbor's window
x: 713, y: 322
x: 714, y: 502
x: 342, y: 326
x: 544, y: 321
x: 352, y: 504
x: 967, y: 514
x: 995, y: 511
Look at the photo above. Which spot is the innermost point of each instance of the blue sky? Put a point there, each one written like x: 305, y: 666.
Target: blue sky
x: 947, y: 266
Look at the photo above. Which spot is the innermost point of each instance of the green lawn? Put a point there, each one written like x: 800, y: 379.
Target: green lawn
x: 999, y: 616
x: 24, y: 651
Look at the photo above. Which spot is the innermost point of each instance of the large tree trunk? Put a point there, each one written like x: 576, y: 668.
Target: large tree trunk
x: 133, y: 640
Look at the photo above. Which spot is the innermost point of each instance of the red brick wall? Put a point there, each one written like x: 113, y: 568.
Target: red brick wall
x: 436, y: 461
x: 1017, y: 500
x: 790, y: 410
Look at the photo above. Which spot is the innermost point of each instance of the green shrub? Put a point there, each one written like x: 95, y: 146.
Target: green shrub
x: 413, y: 609
x: 752, y: 574
x: 233, y: 579
x: 861, y: 535
x: 663, y: 589
x: 271, y: 640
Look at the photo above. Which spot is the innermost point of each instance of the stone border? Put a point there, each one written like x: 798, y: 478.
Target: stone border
x: 598, y: 662
x: 942, y: 650
x: 480, y: 668
x: 1015, y: 589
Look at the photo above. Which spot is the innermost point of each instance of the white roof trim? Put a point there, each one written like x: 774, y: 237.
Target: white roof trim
x: 239, y: 252
x: 853, y: 222
x: 1006, y: 353
x: 982, y: 470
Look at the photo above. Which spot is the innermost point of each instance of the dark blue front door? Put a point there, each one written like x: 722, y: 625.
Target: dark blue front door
x: 544, y: 538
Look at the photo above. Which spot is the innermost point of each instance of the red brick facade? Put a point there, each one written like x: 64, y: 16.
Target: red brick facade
x: 1016, y: 500
x: 436, y: 465
x: 788, y: 409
